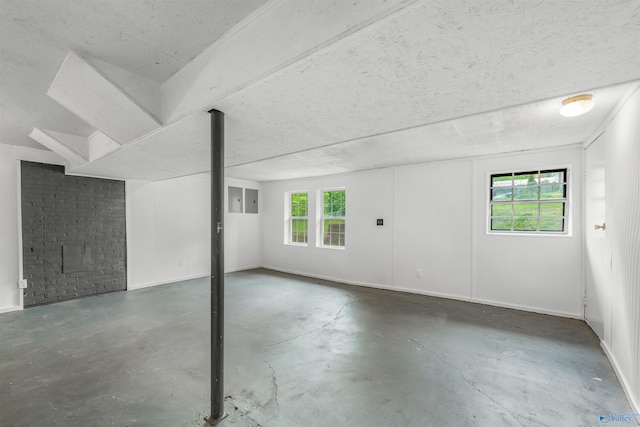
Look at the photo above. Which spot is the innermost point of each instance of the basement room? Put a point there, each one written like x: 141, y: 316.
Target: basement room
x: 300, y: 213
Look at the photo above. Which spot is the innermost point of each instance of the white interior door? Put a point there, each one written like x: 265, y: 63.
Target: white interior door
x: 597, y: 251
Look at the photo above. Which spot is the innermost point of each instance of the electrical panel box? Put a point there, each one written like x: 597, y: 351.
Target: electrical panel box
x: 235, y: 200
x: 250, y: 200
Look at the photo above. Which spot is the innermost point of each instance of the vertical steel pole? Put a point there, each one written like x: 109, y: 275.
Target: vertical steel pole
x: 217, y: 267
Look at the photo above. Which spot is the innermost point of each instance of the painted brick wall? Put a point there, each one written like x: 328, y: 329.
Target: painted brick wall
x: 60, y: 210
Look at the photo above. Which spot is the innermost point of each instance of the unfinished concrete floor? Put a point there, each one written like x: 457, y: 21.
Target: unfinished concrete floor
x: 299, y: 352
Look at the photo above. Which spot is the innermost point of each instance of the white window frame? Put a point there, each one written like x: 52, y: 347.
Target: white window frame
x: 321, y: 219
x: 289, y: 218
x: 523, y: 170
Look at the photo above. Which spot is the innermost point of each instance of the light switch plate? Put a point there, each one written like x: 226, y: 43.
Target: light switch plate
x: 22, y: 284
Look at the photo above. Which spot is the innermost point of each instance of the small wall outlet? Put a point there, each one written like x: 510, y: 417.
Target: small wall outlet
x: 418, y: 273
x: 181, y: 262
x: 379, y: 221
x: 22, y: 284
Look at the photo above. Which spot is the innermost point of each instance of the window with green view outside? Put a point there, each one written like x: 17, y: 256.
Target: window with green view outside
x: 532, y: 202
x: 299, y: 222
x: 333, y: 217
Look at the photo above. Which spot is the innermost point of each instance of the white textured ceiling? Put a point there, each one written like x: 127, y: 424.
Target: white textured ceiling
x: 152, y: 39
x: 535, y: 125
x: 434, y: 61
x: 430, y: 80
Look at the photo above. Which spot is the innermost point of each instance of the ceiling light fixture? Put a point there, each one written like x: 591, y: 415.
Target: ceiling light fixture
x: 576, y: 105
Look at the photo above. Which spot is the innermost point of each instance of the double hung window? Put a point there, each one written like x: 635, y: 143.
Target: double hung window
x: 298, y: 218
x: 333, y: 221
x: 531, y: 201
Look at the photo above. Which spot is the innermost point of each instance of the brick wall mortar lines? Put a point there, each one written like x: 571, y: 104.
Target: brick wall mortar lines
x: 62, y: 210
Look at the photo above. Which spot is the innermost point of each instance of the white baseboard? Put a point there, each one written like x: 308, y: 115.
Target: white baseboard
x: 243, y: 268
x: 634, y: 401
x: 10, y: 309
x: 322, y: 277
x: 434, y: 294
x: 181, y: 279
x: 566, y: 314
x: 165, y: 282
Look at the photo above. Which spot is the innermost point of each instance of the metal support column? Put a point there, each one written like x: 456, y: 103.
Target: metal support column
x: 217, y: 268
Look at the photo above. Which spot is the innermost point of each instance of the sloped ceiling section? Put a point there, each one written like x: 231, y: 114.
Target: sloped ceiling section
x: 413, y: 82
x: 75, y: 149
x: 83, y: 90
x: 72, y: 148
x: 342, y: 86
x: 178, y: 149
x: 150, y: 39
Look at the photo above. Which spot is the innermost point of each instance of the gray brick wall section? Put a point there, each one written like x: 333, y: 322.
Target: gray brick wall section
x: 60, y: 210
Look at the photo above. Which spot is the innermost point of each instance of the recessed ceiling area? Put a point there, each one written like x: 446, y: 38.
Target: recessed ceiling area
x: 399, y: 82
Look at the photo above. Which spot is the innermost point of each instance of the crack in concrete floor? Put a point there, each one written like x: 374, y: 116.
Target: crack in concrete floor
x: 468, y: 381
x: 335, y: 318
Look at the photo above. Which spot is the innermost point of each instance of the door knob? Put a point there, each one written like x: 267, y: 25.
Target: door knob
x: 600, y: 227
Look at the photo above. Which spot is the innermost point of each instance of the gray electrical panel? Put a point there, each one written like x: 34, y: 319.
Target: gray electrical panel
x: 250, y: 200
x: 235, y: 200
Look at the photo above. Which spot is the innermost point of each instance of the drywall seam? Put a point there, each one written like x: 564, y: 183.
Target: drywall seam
x: 394, y: 228
x: 474, y: 239
x: 583, y: 242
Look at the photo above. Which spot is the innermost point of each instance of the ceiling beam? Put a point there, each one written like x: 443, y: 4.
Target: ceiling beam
x: 72, y: 148
x: 82, y: 89
x: 277, y: 35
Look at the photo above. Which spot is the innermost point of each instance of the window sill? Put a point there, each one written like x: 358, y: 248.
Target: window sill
x: 303, y: 245
x: 525, y: 233
x: 338, y: 248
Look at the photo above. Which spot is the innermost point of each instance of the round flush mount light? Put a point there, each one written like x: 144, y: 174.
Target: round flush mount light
x: 576, y: 105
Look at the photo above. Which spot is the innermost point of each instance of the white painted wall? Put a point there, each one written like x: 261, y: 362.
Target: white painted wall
x: 435, y: 221
x: 10, y: 223
x: 367, y: 257
x: 620, y: 334
x: 9, y: 275
x: 433, y: 228
x: 537, y: 272
x: 169, y: 235
x: 242, y: 235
